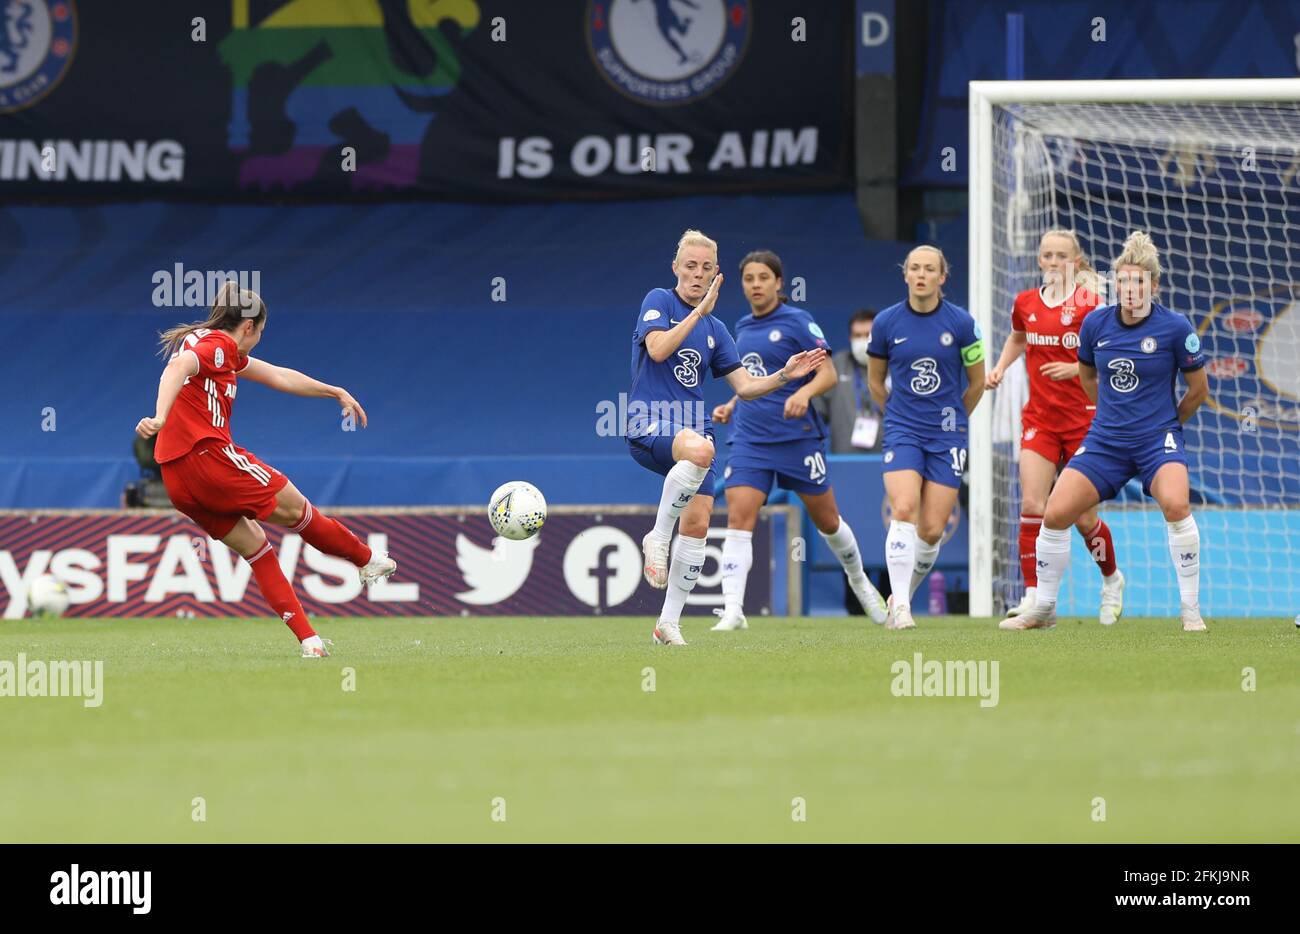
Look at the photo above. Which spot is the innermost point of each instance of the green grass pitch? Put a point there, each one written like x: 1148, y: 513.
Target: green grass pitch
x: 547, y: 723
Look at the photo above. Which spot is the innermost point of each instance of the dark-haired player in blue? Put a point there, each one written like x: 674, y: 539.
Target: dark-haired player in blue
x: 1130, y: 355
x: 779, y: 437
x: 675, y: 342
x: 926, y: 345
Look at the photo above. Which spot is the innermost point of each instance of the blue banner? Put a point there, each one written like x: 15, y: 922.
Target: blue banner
x: 449, y: 98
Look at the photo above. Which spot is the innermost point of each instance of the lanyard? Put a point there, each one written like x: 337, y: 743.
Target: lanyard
x: 865, y: 402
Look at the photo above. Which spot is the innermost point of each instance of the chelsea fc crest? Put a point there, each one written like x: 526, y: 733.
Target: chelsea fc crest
x: 37, y: 39
x: 667, y: 52
x: 1148, y: 345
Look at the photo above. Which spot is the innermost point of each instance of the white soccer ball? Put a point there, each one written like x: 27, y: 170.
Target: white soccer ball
x: 48, y: 596
x: 517, y: 510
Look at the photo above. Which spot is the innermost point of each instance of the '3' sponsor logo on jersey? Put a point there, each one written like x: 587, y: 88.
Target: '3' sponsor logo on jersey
x: 926, y: 381
x: 1122, y: 379
x: 754, y: 364
x: 688, y: 371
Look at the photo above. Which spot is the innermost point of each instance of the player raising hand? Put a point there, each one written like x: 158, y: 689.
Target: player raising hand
x: 779, y: 438
x: 676, y: 341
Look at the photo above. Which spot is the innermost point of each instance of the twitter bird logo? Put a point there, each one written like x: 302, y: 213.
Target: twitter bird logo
x: 497, y: 574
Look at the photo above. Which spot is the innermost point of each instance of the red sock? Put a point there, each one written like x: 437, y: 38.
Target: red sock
x: 331, y: 536
x: 1102, y: 548
x: 279, y: 593
x: 1029, y: 526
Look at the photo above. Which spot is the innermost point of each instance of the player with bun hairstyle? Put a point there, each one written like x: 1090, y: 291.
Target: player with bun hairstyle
x: 1045, y: 325
x: 223, y: 487
x: 1130, y: 355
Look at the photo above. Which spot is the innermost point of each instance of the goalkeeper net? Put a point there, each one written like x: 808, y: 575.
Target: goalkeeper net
x: 1217, y: 185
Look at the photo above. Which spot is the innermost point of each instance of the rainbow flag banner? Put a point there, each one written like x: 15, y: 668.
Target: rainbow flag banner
x: 316, y: 76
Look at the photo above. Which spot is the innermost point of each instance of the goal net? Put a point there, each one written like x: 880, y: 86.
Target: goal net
x: 1212, y: 171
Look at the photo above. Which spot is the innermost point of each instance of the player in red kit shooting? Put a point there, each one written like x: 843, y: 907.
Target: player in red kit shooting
x: 218, y: 484
x: 1045, y: 326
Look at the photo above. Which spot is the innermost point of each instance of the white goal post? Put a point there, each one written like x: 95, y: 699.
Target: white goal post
x: 1217, y: 160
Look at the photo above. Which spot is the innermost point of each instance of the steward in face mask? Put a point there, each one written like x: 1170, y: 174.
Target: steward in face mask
x: 856, y: 422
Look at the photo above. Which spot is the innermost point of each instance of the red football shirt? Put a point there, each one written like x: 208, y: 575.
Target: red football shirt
x: 1052, y: 333
x: 202, y: 408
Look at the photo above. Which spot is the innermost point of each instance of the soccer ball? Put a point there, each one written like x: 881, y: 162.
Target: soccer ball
x: 517, y: 510
x: 48, y: 596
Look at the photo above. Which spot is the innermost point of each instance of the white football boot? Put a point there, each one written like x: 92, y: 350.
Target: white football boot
x: 656, y: 560
x: 870, y: 599
x: 668, y: 634
x: 729, y: 621
x: 1112, y: 600
x: 1192, y: 621
x: 380, y: 566
x: 1042, y: 616
x: 1026, y: 603
x: 900, y: 615
x: 316, y: 647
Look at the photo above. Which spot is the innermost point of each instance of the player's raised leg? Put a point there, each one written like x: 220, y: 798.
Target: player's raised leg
x: 904, y: 490
x: 692, y: 453
x: 1073, y: 495
x: 248, y: 540
x: 743, y: 503
x: 1169, y: 488
x: 839, y: 538
x: 294, y: 512
x: 688, y: 559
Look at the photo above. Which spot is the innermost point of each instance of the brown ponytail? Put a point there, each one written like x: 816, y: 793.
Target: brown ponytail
x: 231, y: 307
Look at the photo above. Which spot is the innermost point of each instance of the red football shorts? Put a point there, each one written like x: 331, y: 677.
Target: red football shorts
x: 217, y: 482
x: 1056, y: 446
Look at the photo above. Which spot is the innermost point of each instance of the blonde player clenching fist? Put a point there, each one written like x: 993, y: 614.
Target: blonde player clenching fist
x: 1045, y: 324
x: 676, y: 343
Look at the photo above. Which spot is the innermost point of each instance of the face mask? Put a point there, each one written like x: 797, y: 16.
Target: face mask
x: 858, y: 347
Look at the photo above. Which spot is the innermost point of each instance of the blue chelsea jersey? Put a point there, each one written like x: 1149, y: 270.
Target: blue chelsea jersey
x: 927, y: 354
x: 764, y: 345
x: 669, y: 396
x: 1137, y: 369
